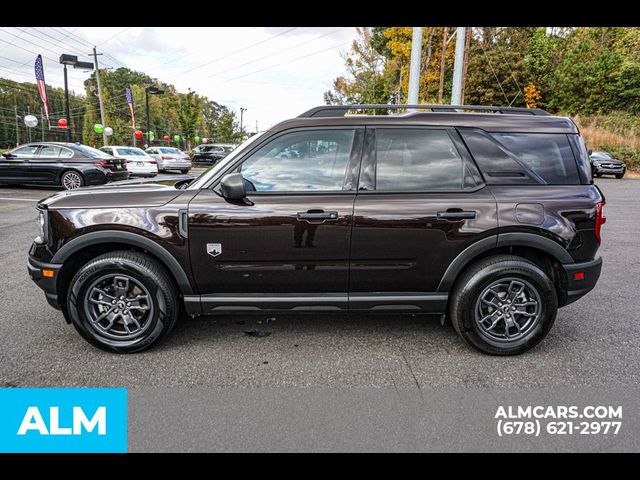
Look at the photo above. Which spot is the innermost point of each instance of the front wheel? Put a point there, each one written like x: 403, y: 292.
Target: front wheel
x: 184, y: 171
x: 619, y: 175
x: 122, y: 302
x: 503, y: 305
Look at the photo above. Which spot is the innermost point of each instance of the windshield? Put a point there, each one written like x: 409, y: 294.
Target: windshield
x: 134, y: 152
x: 169, y: 150
x: 211, y: 172
x: 92, y: 152
x: 602, y: 154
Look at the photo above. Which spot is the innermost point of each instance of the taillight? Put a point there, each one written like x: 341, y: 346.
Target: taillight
x: 103, y: 164
x: 152, y: 162
x: 600, y: 219
x: 164, y: 157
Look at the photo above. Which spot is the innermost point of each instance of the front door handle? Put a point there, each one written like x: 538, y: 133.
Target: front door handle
x: 317, y: 215
x: 455, y: 214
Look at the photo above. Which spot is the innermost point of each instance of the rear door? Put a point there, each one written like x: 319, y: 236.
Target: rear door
x: 421, y: 202
x: 47, y: 166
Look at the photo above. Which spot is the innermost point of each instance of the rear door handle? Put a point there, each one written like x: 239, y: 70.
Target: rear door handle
x: 317, y: 215
x: 456, y: 214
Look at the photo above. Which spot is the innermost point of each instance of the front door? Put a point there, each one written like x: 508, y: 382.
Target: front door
x: 17, y: 168
x: 421, y: 202
x: 46, y: 166
x: 288, y: 245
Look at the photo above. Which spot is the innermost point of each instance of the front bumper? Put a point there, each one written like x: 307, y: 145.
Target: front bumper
x: 610, y: 170
x: 47, y: 284
x: 581, y: 278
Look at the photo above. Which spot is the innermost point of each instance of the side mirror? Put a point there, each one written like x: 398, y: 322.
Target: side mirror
x: 589, y: 152
x: 232, y: 187
x: 8, y: 155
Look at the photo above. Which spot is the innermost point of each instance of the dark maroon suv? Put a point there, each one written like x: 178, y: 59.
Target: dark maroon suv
x: 487, y: 215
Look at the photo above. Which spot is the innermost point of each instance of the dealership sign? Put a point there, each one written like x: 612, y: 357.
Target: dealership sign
x: 53, y: 420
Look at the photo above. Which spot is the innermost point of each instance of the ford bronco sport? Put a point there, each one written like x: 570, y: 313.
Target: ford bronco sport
x: 487, y: 215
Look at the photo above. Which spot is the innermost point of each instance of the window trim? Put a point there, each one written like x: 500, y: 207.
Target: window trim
x: 351, y: 174
x: 367, y: 184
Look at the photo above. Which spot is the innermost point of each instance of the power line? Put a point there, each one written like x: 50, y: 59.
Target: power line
x: 291, y: 61
x: 237, y: 51
x: 276, y: 53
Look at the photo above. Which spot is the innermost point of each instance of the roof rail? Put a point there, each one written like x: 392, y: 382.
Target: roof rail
x: 341, y: 110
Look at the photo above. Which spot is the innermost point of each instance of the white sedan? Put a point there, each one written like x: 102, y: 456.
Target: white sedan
x: 139, y: 163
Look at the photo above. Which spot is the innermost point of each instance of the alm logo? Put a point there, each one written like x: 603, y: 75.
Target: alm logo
x: 62, y: 420
x: 33, y: 421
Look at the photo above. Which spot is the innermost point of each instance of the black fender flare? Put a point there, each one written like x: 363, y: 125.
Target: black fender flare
x: 108, y: 236
x: 516, y: 239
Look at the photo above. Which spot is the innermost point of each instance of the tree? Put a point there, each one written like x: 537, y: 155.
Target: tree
x: 188, y: 114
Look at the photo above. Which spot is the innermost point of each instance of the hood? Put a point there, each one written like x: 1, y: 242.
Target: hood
x: 605, y: 160
x: 127, y: 193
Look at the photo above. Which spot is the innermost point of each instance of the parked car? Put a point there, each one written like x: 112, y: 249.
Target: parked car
x: 490, y: 219
x: 170, y: 158
x: 139, y: 163
x: 603, y: 163
x: 69, y: 165
x: 210, y: 153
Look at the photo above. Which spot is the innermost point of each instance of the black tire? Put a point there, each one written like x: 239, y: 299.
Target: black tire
x: 465, y: 304
x: 619, y: 175
x: 184, y: 171
x: 71, y: 179
x: 598, y: 175
x: 145, y: 274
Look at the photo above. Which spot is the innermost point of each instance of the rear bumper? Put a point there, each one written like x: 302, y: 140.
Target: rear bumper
x: 117, y: 175
x: 47, y: 284
x: 578, y: 288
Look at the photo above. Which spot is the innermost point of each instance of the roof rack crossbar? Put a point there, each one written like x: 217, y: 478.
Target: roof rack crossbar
x: 342, y: 110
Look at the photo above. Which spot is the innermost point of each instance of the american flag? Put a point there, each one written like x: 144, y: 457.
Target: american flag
x: 42, y: 87
x: 129, y: 98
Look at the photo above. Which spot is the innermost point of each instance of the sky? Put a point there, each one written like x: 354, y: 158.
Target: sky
x: 274, y: 72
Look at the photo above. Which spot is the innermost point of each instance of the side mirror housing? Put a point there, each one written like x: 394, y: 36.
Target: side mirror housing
x: 589, y: 151
x: 8, y: 155
x: 232, y: 187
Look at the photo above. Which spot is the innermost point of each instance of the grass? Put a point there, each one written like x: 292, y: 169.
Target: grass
x: 618, y: 134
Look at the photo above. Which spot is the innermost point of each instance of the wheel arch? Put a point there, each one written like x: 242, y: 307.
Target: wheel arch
x: 528, y: 245
x: 88, y: 246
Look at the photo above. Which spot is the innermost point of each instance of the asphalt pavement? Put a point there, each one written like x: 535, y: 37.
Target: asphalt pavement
x: 594, y: 342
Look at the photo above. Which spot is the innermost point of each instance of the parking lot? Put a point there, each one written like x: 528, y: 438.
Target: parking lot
x: 593, y: 343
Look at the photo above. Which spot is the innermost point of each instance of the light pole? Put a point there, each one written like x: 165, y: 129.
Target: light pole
x: 242, y: 110
x: 153, y: 91
x: 66, y: 59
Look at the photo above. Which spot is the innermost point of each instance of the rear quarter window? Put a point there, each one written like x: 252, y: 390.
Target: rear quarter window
x: 547, y: 154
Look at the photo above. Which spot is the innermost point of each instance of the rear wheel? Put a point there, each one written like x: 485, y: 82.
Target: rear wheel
x: 70, y: 180
x: 122, y: 302
x: 503, y: 305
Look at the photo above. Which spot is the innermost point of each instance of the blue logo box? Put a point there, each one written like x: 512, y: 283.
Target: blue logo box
x: 63, y: 420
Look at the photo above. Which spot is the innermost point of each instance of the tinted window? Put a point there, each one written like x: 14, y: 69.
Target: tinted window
x: 49, y: 151
x: 92, y: 152
x: 547, y: 154
x: 417, y: 160
x: 25, y: 152
x: 313, y: 160
x: 130, y: 151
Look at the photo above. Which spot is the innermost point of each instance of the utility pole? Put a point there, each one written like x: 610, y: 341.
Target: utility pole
x: 414, y: 67
x: 242, y: 110
x: 28, y: 129
x: 105, y: 139
x: 17, y: 127
x: 465, y: 66
x: 456, y: 90
x: 443, y: 62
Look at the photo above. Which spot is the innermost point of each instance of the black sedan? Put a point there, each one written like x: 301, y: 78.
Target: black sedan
x: 210, y: 154
x: 603, y: 163
x: 70, y: 165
